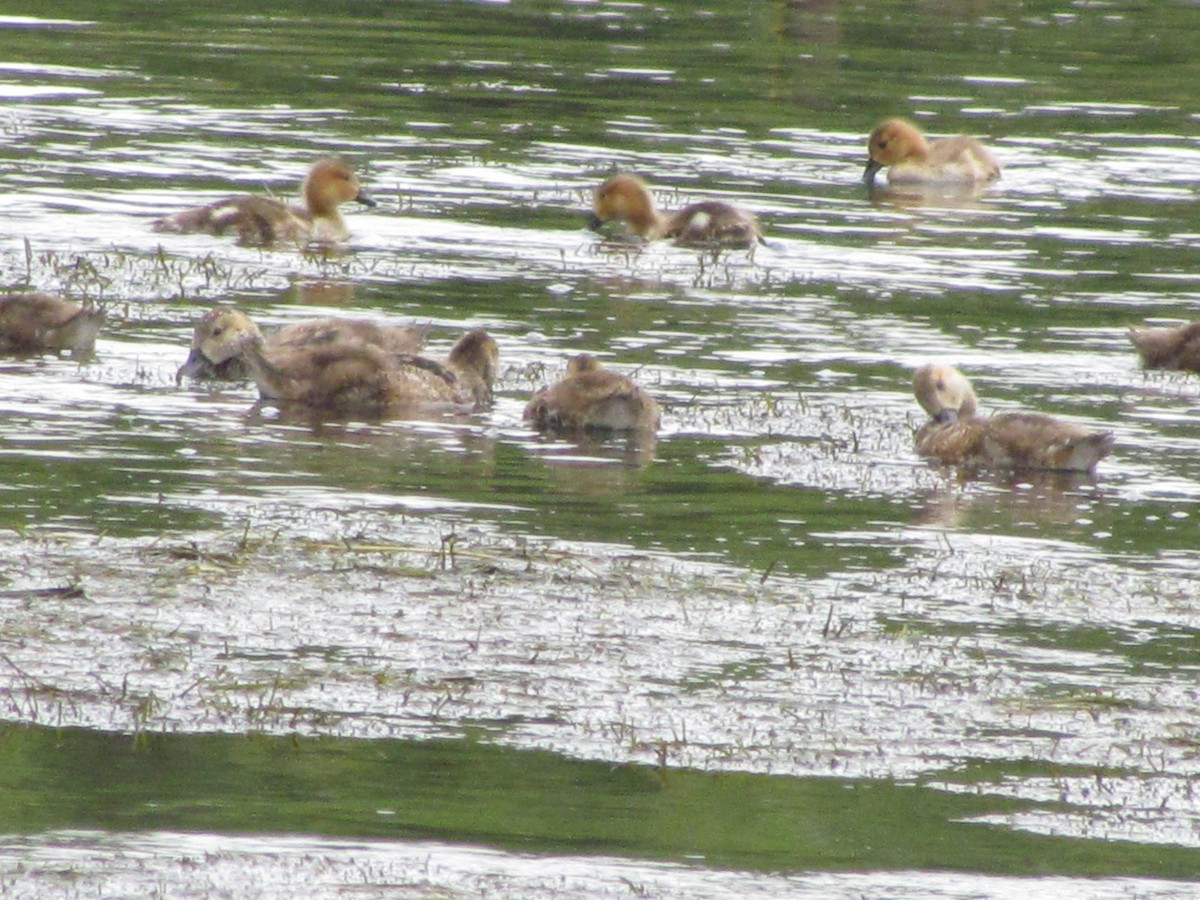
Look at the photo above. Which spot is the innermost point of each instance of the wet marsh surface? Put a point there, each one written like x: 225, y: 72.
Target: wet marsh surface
x: 772, y: 653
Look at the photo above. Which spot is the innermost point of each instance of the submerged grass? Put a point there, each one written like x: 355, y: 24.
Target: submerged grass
x: 385, y: 629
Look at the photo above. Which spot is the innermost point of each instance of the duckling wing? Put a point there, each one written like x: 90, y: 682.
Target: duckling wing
x: 393, y: 339
x: 1014, y: 441
x: 255, y: 220
x: 1036, y: 441
x: 962, y: 158
x: 713, y: 222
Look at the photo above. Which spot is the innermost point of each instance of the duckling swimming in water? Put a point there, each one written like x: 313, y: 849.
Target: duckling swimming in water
x: 34, y: 322
x: 216, y: 340
x: 1168, y: 348
x: 625, y: 198
x: 910, y: 158
x: 957, y: 436
x: 590, y: 397
x: 345, y: 374
x: 262, y: 221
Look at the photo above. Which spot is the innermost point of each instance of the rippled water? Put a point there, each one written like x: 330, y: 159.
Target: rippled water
x: 778, y: 587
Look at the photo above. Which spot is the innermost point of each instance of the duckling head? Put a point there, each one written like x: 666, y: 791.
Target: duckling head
x: 330, y: 183
x: 582, y: 364
x: 944, y: 392
x: 476, y: 353
x: 891, y: 141
x: 220, y: 335
x: 623, y: 198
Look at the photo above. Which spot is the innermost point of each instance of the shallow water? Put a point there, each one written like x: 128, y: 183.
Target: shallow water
x: 777, y: 590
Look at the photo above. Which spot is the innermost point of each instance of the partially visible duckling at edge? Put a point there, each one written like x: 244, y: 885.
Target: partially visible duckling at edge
x: 35, y: 322
x: 957, y: 436
x: 590, y: 397
x: 1168, y: 348
x: 263, y: 220
x: 625, y: 198
x: 910, y: 158
x: 347, y: 375
x: 217, y: 337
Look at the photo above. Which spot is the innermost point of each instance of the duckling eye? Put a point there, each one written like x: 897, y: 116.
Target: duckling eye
x: 217, y: 332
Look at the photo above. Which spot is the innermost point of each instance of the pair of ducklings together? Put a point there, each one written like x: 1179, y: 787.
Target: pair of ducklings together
x: 355, y: 366
x: 895, y: 144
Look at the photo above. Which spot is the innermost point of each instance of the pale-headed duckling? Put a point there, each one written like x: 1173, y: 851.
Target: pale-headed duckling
x: 590, y: 397
x: 957, y: 436
x: 218, y: 335
x: 35, y: 322
x: 625, y: 198
x: 901, y: 147
x: 1168, y: 348
x: 346, y: 375
x: 264, y: 220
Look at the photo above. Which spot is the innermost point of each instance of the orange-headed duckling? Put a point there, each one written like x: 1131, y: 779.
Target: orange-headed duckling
x: 625, y: 198
x: 35, y: 322
x: 590, y: 397
x: 263, y: 220
x: 1168, y: 348
x: 901, y: 147
x: 218, y: 335
x: 347, y: 375
x: 957, y: 436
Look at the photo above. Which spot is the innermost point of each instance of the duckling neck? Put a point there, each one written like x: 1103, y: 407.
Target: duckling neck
x: 266, y: 374
x: 322, y: 212
x: 648, y: 222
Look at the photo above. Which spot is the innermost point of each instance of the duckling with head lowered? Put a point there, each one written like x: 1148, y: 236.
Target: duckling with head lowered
x: 957, y: 436
x: 345, y: 375
x: 1168, y: 348
x: 35, y: 322
x: 590, y: 397
x: 262, y: 221
x: 625, y: 198
x: 217, y: 338
x: 910, y: 158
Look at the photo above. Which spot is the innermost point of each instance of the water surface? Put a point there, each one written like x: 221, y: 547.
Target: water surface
x: 777, y: 592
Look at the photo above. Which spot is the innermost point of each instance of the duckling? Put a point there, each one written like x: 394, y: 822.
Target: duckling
x: 261, y: 221
x: 350, y: 375
x: 625, y: 198
x: 956, y: 435
x: 900, y: 145
x: 590, y: 397
x: 1168, y: 348
x: 33, y: 322
x: 215, y: 348
x: 347, y: 375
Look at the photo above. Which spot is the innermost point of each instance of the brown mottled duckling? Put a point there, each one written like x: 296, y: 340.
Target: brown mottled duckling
x: 1168, y: 348
x: 263, y: 220
x: 34, y: 322
x: 347, y: 375
x: 910, y: 158
x: 957, y: 436
x: 590, y: 397
x: 625, y: 198
x: 217, y: 338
